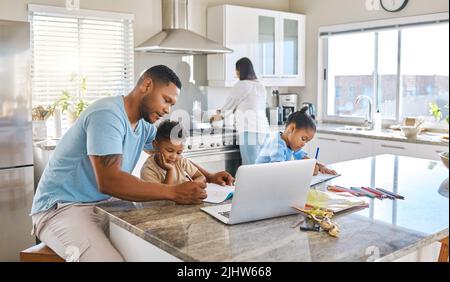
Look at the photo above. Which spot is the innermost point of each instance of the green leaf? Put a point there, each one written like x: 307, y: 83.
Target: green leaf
x: 436, y: 111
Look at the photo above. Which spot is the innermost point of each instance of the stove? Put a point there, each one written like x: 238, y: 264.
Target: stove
x: 211, y: 142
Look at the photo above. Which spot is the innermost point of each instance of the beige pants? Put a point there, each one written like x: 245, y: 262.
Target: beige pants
x: 75, y: 233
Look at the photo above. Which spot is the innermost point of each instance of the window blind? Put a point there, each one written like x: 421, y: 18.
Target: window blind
x: 89, y: 57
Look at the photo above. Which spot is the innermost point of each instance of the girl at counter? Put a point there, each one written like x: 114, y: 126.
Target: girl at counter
x: 248, y: 104
x: 166, y: 165
x: 288, y: 145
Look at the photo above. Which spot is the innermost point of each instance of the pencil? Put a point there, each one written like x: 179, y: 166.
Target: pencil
x: 188, y: 177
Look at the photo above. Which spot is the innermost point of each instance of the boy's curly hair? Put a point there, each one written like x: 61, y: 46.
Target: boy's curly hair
x: 171, y: 131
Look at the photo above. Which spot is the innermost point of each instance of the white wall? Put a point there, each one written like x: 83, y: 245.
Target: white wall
x: 147, y: 12
x: 147, y: 23
x: 330, y: 12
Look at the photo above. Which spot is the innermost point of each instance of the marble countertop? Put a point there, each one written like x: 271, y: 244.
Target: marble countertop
x: 392, y: 228
x: 427, y: 138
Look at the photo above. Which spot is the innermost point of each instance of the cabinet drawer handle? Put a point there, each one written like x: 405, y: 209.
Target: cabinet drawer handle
x: 393, y: 147
x: 351, y: 142
x: 327, y: 139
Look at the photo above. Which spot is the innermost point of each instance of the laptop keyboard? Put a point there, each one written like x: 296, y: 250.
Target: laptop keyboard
x: 225, y: 214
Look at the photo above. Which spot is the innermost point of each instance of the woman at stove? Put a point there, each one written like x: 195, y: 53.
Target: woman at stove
x: 248, y: 103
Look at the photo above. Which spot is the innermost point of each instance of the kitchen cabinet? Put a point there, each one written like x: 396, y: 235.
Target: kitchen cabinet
x: 274, y: 41
x: 381, y: 147
x: 351, y: 148
x: 339, y: 148
x: 336, y: 148
x: 328, y: 148
x: 429, y: 151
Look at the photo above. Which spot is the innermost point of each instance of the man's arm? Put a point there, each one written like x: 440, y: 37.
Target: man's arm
x: 222, y: 178
x: 199, y: 177
x: 111, y: 180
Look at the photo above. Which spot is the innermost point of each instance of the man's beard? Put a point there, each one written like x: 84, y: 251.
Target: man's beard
x: 145, y: 111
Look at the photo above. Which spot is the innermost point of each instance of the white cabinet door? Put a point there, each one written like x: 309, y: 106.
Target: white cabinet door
x: 311, y: 147
x: 281, y: 63
x: 329, y: 148
x: 236, y: 28
x: 352, y: 148
x: 430, y: 152
x: 381, y: 147
x: 274, y: 41
x: 337, y: 148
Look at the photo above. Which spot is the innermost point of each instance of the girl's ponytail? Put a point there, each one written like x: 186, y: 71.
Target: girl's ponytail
x: 304, y: 110
x: 302, y: 119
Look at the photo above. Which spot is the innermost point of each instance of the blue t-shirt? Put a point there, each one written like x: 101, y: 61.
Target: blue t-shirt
x: 103, y: 129
x: 276, y: 150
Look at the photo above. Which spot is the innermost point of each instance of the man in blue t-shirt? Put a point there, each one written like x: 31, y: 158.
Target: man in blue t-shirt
x: 93, y: 163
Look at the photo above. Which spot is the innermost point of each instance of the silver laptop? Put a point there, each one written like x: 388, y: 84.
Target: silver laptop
x: 265, y: 191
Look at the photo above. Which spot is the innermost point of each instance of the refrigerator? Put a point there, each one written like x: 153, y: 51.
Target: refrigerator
x: 16, y: 156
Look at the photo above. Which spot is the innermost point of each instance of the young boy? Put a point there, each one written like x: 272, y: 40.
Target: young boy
x: 288, y: 145
x: 166, y: 165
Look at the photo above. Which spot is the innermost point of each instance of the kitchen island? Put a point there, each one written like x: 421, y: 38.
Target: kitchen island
x: 386, y: 231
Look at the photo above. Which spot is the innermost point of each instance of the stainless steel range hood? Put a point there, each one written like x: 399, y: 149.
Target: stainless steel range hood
x: 175, y: 38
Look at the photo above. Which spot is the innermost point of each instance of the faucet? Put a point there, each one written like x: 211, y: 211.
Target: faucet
x: 368, y: 123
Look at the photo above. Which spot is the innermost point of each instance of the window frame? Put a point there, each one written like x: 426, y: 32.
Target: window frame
x: 373, y: 27
x: 84, y: 14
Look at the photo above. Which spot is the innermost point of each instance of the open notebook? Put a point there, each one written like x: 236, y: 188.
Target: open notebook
x: 218, y: 194
x: 320, y: 178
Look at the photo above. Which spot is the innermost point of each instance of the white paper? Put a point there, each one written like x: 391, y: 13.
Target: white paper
x: 218, y: 194
x: 317, y: 179
x: 332, y: 201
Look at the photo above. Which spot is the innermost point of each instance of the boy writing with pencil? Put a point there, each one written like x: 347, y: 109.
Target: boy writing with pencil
x: 166, y: 165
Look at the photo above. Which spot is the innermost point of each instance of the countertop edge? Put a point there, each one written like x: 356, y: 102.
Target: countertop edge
x: 375, y: 137
x: 146, y: 237
x: 415, y: 247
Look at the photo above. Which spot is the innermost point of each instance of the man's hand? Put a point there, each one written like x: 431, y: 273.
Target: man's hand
x: 189, y: 193
x: 222, y: 178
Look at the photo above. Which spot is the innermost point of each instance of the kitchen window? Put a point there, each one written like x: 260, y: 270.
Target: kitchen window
x: 88, y: 54
x: 403, y: 68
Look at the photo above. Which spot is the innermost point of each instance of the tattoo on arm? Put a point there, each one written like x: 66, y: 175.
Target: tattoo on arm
x: 111, y: 160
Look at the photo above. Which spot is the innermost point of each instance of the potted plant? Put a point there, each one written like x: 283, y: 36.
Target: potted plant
x: 436, y: 111
x: 74, y: 106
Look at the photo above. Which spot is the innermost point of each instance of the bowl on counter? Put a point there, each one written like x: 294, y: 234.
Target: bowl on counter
x: 444, y: 158
x: 217, y: 124
x: 410, y: 132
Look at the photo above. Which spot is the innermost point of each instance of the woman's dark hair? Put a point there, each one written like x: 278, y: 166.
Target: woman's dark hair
x: 302, y: 120
x: 170, y: 131
x: 246, y: 70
